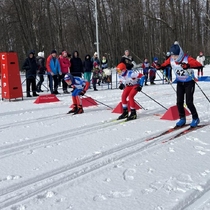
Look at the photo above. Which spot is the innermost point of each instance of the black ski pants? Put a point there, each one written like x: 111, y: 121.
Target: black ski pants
x: 186, y: 89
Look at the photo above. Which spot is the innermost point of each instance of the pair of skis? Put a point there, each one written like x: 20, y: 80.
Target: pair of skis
x: 183, y: 132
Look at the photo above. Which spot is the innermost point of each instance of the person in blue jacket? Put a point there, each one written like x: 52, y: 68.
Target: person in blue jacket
x: 53, y: 71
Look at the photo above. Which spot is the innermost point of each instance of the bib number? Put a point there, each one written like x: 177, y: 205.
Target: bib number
x: 180, y: 72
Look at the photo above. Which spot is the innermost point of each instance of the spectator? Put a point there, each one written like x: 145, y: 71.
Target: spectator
x: 145, y: 66
x: 76, y: 65
x: 41, y: 70
x: 200, y: 59
x: 104, y: 62
x: 30, y: 66
x: 128, y: 60
x: 95, y: 59
x: 53, y: 71
x: 95, y: 77
x: 168, y: 70
x: 152, y: 73
x: 65, y: 68
x: 87, y: 66
x: 104, y: 65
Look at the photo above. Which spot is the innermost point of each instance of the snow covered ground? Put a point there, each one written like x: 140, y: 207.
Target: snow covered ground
x: 53, y: 161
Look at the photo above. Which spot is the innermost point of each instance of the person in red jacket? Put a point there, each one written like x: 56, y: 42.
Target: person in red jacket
x: 65, y: 69
x: 183, y: 65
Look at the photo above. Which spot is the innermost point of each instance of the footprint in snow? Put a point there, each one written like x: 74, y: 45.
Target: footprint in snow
x: 205, y: 173
x: 19, y: 207
x: 11, y: 177
x: 113, y: 194
x: 48, y: 194
x: 128, y: 174
x: 201, y: 150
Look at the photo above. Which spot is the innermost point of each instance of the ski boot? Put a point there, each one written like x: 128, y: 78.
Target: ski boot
x: 194, y: 123
x: 79, y: 110
x: 124, y: 114
x: 73, y: 110
x: 181, y: 122
x: 132, y: 116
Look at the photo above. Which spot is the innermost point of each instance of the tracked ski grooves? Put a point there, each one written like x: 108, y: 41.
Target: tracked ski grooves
x: 186, y: 131
x: 71, y: 172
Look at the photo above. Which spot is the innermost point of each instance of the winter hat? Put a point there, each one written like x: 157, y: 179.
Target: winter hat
x: 31, y: 52
x: 68, y: 77
x: 155, y: 59
x: 95, y: 53
x: 53, y: 51
x: 175, y: 49
x: 121, y: 66
x: 41, y: 54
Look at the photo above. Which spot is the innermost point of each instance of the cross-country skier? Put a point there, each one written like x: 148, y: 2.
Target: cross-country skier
x: 80, y: 86
x: 183, y: 65
x: 130, y: 82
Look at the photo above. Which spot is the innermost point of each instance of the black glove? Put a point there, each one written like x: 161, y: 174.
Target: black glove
x: 122, y: 86
x: 138, y: 88
x: 185, y: 65
x: 82, y: 93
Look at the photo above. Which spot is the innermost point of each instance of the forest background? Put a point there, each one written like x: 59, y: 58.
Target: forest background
x: 146, y: 27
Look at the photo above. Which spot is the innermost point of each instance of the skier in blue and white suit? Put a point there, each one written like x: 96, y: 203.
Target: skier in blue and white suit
x: 80, y: 86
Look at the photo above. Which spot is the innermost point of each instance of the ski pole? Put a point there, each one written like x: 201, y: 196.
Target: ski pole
x: 202, y: 91
x: 199, y: 87
x: 97, y: 101
x: 140, y: 105
x: 171, y: 86
x: 154, y: 100
x: 158, y: 75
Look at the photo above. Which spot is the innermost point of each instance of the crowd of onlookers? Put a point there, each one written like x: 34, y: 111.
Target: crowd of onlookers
x: 56, y: 66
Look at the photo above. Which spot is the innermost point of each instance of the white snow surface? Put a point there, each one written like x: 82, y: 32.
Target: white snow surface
x: 53, y: 161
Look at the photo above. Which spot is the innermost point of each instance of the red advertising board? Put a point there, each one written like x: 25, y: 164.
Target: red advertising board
x: 10, y: 76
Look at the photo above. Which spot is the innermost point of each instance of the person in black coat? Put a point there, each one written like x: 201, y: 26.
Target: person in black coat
x: 87, y: 66
x: 41, y: 70
x: 30, y: 66
x: 127, y: 60
x: 76, y: 65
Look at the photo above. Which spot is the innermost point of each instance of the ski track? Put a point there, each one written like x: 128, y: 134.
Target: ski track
x: 70, y: 173
x: 82, y: 168
x: 26, y: 122
x: 196, y: 199
x: 30, y: 110
x: 38, y: 142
